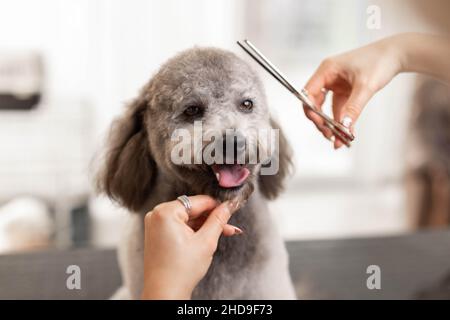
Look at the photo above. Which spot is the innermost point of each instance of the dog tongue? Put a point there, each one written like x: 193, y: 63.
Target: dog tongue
x: 230, y: 176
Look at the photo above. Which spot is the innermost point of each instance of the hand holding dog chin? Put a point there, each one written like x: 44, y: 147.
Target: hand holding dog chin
x: 179, y: 248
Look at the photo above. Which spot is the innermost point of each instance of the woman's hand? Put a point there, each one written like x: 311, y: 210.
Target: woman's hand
x: 179, y: 247
x: 353, y: 77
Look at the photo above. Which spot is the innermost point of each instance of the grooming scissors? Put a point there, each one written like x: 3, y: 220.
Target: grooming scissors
x: 338, y: 129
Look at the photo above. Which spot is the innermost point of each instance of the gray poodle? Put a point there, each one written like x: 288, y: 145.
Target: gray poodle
x: 219, y: 90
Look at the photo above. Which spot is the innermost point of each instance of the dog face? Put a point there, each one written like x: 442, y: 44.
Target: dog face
x: 221, y: 93
x: 202, y: 123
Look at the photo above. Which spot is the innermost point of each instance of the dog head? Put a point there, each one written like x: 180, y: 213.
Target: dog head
x: 203, y: 124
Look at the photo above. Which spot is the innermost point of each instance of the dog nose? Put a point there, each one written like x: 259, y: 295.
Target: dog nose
x: 236, y: 143
x: 239, y: 143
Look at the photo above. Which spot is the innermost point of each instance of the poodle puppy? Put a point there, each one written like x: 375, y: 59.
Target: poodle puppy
x: 219, y: 91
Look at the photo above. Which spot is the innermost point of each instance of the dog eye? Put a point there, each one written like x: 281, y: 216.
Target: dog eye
x: 246, y: 105
x: 193, y: 111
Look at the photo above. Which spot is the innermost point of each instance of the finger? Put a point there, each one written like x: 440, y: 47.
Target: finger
x: 338, y: 143
x: 319, y: 122
x: 311, y: 115
x: 351, y: 110
x: 314, y: 117
x: 338, y: 102
x: 317, y: 89
x: 337, y: 105
x: 230, y: 230
x: 199, y: 205
x: 327, y: 133
x: 316, y: 83
x: 314, y: 88
x: 217, y: 219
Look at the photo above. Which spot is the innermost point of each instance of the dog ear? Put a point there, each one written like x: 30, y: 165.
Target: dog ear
x: 129, y: 168
x: 271, y: 185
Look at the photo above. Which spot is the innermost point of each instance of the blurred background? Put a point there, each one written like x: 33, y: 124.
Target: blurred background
x: 67, y: 68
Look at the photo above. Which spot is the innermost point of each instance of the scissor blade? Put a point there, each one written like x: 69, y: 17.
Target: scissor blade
x: 337, y: 128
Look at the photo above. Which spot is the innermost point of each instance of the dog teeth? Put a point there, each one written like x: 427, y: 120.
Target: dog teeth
x: 218, y: 176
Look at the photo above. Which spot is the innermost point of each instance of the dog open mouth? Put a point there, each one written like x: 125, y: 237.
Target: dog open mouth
x: 230, y: 175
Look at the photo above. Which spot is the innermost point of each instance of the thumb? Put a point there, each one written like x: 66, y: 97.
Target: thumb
x: 351, y: 110
x: 217, y: 220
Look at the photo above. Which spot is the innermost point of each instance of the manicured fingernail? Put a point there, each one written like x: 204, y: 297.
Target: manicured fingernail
x: 347, y: 122
x: 238, y: 231
x: 332, y: 139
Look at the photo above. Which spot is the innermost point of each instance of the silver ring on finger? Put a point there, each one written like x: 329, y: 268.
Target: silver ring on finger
x: 186, y: 203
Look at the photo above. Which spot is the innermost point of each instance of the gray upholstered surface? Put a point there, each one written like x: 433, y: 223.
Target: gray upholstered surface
x: 42, y: 275
x: 321, y: 269
x: 412, y: 266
